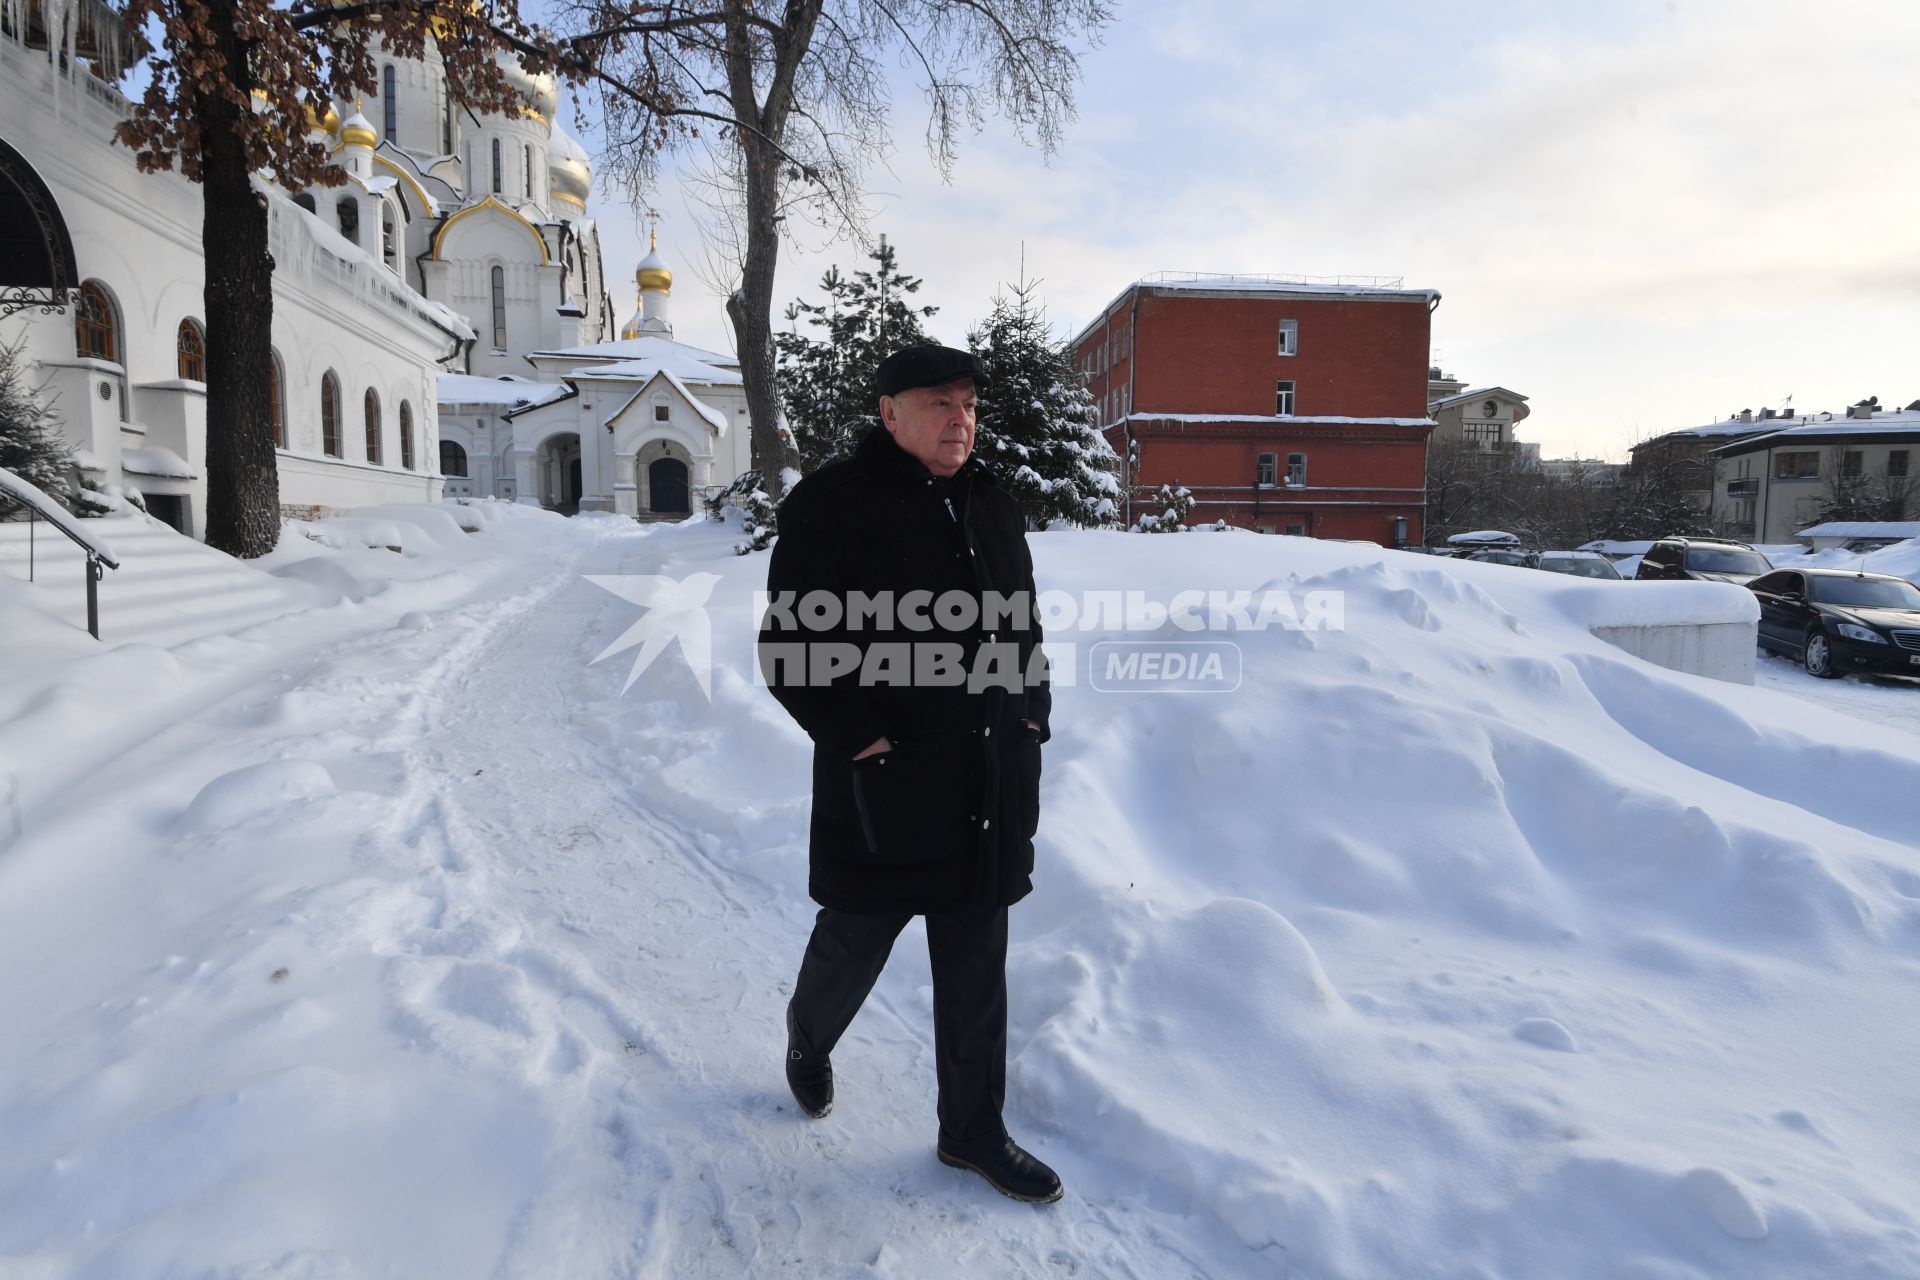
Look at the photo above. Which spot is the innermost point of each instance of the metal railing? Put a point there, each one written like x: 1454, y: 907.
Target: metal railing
x: 40, y: 506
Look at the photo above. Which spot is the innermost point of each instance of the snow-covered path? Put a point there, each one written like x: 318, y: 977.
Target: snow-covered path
x: 1457, y: 944
x: 531, y: 909
x: 654, y: 955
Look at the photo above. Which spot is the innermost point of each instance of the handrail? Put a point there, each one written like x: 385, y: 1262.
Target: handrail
x: 40, y: 506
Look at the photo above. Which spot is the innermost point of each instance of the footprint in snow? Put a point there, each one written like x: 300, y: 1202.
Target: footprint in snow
x: 1726, y: 1202
x: 1546, y: 1033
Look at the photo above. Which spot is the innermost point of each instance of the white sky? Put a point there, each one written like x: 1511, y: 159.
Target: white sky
x: 1643, y: 215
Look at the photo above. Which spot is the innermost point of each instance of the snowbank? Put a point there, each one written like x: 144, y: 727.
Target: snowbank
x: 1454, y: 942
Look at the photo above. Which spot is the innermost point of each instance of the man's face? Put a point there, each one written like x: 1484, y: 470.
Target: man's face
x: 934, y: 424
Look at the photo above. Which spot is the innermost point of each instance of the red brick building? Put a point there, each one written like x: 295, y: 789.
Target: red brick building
x: 1284, y: 406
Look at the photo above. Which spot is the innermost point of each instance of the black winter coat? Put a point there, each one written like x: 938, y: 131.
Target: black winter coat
x: 946, y: 819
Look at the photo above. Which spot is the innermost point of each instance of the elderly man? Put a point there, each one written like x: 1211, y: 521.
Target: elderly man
x: 926, y: 776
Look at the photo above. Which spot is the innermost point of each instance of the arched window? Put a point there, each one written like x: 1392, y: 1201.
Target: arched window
x: 528, y: 172
x: 446, y: 128
x: 277, y: 399
x: 96, y: 324
x: 191, y: 346
x: 348, y: 210
x: 372, y: 402
x: 406, y: 435
x: 391, y: 100
x: 389, y: 233
x: 453, y: 460
x: 497, y: 188
x: 330, y: 415
x: 499, y: 309
x: 305, y: 200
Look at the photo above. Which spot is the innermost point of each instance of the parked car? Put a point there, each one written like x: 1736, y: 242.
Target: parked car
x: 1840, y: 620
x: 1581, y: 564
x: 1701, y: 560
x: 1506, y: 555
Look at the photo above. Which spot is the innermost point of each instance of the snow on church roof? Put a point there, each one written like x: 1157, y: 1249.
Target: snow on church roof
x: 714, y: 418
x: 649, y: 346
x: 467, y: 388
x: 679, y: 368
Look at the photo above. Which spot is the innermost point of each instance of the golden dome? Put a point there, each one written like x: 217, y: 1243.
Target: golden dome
x: 653, y: 273
x: 358, y: 131
x: 328, y: 123
x: 569, y: 171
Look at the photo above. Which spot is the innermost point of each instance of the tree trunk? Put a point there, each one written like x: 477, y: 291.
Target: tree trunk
x: 751, y: 310
x: 243, y: 483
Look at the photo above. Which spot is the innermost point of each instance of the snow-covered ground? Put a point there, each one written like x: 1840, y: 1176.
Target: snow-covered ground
x: 383, y: 936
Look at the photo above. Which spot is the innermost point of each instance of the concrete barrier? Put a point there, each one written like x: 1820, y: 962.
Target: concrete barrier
x: 1722, y: 650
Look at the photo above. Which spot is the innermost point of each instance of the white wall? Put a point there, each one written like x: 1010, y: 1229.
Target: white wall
x: 139, y: 235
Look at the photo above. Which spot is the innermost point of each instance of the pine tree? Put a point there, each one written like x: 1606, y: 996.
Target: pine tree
x: 1035, y: 426
x: 32, y: 445
x: 826, y: 380
x: 1176, y: 504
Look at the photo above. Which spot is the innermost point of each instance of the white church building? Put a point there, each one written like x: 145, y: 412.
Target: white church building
x: 441, y: 323
x: 640, y: 426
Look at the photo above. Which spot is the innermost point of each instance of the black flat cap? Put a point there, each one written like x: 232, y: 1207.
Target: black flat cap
x: 928, y: 366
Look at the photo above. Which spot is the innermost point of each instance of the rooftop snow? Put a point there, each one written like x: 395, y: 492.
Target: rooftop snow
x: 646, y: 347
x: 467, y: 388
x: 1863, y: 529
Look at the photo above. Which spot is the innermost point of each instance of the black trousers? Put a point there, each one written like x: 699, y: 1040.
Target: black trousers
x: 969, y: 954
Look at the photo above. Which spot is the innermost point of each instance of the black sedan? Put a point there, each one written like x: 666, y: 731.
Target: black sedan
x: 1837, y: 620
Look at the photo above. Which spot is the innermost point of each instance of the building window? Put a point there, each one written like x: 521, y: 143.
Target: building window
x: 391, y: 95
x: 190, y: 349
x: 306, y: 201
x: 1266, y: 471
x: 1483, y: 437
x: 499, y: 307
x: 276, y: 399
x: 96, y: 326
x: 662, y: 412
x: 406, y: 435
x: 453, y: 460
x: 348, y: 212
x: 1296, y: 528
x: 372, y: 403
x: 1897, y: 462
x: 330, y: 414
x: 1852, y: 463
x: 496, y: 167
x: 526, y: 174
x: 1296, y: 470
x: 446, y: 129
x: 1283, y: 399
x: 389, y: 234
x: 1796, y: 466
x: 1289, y: 337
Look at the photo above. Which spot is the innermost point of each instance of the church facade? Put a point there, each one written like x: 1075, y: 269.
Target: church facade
x: 639, y: 426
x: 455, y: 246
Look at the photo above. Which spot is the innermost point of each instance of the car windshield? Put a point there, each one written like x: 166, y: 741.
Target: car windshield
x: 1580, y: 566
x: 1726, y: 560
x: 1868, y: 593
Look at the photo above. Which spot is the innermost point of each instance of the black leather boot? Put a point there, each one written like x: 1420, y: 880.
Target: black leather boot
x: 1007, y: 1169
x: 809, y: 1074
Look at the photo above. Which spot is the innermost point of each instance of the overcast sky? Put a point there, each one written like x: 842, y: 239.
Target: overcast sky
x: 1641, y: 215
